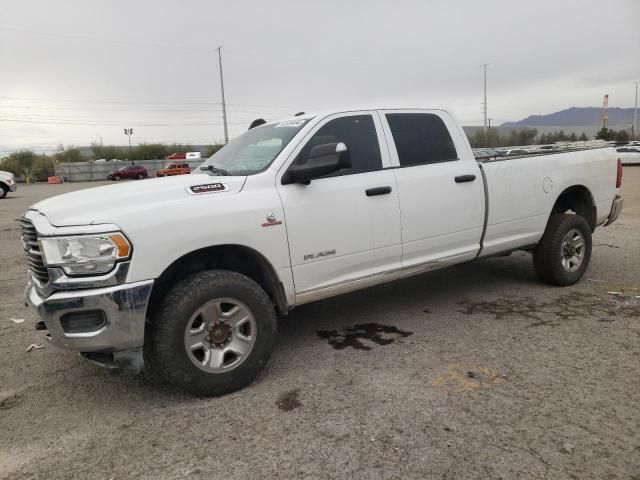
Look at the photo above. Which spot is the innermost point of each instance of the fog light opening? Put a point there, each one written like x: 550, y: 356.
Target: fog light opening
x: 83, y: 322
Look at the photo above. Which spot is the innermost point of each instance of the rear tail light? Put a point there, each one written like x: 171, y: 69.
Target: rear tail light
x: 619, y: 176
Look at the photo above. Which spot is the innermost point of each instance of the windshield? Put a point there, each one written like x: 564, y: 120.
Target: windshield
x: 254, y: 150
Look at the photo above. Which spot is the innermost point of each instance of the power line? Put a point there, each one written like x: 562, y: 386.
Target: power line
x: 118, y: 124
x: 170, y: 110
x: 101, y: 39
x: 94, y: 118
x: 122, y: 102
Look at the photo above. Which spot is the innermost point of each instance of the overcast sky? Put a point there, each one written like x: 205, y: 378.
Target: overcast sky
x: 72, y: 71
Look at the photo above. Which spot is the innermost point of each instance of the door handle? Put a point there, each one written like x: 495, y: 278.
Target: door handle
x: 377, y: 191
x: 465, y: 178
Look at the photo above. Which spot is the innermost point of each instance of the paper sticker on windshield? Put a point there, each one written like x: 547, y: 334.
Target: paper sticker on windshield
x: 290, y: 123
x: 207, y: 188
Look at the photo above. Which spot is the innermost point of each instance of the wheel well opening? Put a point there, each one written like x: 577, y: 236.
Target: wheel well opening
x: 577, y: 199
x: 235, y: 258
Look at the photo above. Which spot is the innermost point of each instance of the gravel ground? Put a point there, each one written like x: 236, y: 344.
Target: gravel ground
x: 477, y: 371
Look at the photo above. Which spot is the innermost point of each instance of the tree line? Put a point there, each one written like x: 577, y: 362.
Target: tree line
x: 39, y: 166
x: 529, y: 136
x: 611, y: 135
x: 523, y: 136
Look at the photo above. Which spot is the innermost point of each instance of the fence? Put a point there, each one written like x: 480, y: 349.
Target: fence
x: 96, y: 171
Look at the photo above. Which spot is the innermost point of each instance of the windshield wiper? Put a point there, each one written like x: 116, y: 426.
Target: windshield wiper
x: 219, y: 171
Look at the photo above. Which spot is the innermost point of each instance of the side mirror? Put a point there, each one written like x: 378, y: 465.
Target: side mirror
x: 323, y: 160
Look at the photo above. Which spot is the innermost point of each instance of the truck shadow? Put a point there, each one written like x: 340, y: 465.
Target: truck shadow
x: 335, y: 319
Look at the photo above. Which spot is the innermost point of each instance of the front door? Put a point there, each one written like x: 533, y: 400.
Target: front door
x: 344, y: 226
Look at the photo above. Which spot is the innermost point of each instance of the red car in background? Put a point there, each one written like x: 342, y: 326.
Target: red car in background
x: 130, y: 171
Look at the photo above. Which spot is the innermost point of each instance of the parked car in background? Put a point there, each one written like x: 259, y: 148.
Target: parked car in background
x: 130, y: 171
x: 103, y: 160
x: 517, y: 151
x: 174, y: 169
x: 629, y: 155
x: 481, y: 155
x: 185, y: 156
x: 7, y: 183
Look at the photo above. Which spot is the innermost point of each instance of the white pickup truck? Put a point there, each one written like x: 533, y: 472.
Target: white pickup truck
x: 185, y: 275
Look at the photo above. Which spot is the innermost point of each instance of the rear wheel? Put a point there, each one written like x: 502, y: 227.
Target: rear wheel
x: 563, y: 254
x: 213, y: 334
x: 140, y: 176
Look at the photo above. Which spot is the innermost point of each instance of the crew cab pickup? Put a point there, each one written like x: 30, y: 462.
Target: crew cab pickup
x: 292, y: 212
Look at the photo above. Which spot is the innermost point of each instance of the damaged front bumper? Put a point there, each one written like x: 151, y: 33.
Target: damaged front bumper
x: 105, y: 324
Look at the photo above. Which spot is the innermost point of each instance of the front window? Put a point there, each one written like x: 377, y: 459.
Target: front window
x: 253, y: 151
x: 358, y: 133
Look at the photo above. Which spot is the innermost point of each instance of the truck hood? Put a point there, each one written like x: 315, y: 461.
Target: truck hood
x: 108, y: 203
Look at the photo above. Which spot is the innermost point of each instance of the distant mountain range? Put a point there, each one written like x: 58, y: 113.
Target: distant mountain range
x: 576, y: 116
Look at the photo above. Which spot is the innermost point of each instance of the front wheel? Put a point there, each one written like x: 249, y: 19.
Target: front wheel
x: 3, y: 191
x: 563, y: 254
x: 140, y: 176
x: 213, y: 333
x: 116, y: 178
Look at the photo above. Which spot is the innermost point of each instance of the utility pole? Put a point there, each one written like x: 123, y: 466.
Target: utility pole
x: 128, y: 132
x: 224, y: 107
x: 484, y: 67
x: 635, y: 115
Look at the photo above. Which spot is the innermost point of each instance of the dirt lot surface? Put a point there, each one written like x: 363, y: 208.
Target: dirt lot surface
x: 478, y: 371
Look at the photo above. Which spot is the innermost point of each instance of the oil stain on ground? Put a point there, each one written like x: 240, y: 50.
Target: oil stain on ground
x: 288, y: 401
x: 574, y: 305
x: 353, y: 336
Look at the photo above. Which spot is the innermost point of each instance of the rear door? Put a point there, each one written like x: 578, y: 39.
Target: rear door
x: 439, y: 185
x: 345, y: 226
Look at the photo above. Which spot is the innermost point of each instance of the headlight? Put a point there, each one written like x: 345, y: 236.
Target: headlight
x: 85, y: 254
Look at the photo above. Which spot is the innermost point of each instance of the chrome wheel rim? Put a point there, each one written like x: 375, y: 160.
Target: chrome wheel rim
x: 572, y: 250
x: 220, y: 335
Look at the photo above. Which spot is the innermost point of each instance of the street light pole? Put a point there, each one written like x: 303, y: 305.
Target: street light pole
x: 224, y: 106
x: 635, y: 115
x: 485, y: 98
x: 128, y: 132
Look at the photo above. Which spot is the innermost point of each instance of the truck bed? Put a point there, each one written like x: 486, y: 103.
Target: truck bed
x: 521, y: 191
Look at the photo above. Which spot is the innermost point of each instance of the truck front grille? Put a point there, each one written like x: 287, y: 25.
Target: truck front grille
x: 32, y: 249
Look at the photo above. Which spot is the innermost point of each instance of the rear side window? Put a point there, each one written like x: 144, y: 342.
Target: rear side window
x: 358, y: 133
x: 421, y: 138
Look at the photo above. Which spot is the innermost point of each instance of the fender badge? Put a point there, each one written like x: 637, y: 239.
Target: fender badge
x: 272, y: 220
x: 207, y: 188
